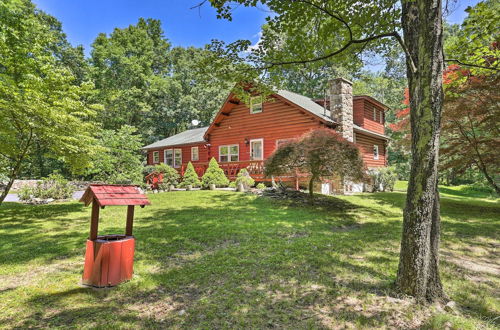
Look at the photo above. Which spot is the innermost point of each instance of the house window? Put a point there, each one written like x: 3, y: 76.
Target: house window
x: 156, y: 156
x: 374, y: 114
x: 169, y: 157
x: 375, y: 152
x: 257, y: 149
x: 173, y: 157
x: 195, y: 154
x: 381, y: 117
x: 255, y: 104
x: 230, y: 153
x: 177, y: 157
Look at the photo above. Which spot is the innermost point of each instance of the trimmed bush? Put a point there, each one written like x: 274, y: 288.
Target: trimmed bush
x: 261, y: 186
x: 170, y: 174
x: 214, y: 175
x: 232, y: 184
x: 244, y: 178
x: 190, y: 177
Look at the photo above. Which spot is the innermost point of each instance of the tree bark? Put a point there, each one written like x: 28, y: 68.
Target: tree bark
x: 490, y: 180
x: 418, y: 273
x: 12, y: 178
x: 311, y: 189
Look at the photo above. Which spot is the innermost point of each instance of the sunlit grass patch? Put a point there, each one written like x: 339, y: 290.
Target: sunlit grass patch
x: 213, y: 259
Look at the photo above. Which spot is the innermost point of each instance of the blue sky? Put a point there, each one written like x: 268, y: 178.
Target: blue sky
x: 83, y: 20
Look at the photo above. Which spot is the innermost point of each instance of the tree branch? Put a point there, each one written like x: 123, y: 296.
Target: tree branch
x: 471, y: 65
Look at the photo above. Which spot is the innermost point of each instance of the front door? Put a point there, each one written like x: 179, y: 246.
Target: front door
x: 257, y: 149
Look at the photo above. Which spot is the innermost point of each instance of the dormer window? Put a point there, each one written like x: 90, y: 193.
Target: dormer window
x: 374, y: 114
x: 255, y: 104
x: 381, y: 117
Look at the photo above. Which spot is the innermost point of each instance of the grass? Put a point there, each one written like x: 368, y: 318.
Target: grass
x: 213, y: 259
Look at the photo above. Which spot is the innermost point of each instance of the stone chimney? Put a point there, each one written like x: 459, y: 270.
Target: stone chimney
x: 341, y: 106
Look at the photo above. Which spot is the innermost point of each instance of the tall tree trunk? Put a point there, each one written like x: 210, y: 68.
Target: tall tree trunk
x: 418, y: 273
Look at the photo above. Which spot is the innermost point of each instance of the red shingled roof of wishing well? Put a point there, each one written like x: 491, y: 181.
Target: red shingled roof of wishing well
x: 114, y: 195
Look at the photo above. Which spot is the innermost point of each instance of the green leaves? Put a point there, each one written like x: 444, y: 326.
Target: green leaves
x: 39, y: 100
x: 476, y: 40
x: 117, y: 158
x: 305, y: 32
x: 214, y: 175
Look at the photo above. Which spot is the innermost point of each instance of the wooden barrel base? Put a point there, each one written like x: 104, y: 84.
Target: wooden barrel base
x: 109, y: 260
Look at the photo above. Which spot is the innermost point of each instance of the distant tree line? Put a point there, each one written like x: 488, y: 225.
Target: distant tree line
x: 88, y: 117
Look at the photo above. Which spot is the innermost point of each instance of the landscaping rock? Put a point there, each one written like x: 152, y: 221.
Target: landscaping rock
x: 451, y: 307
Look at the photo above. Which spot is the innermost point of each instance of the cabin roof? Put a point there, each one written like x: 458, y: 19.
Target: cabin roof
x: 360, y: 129
x: 108, y: 194
x: 307, y: 104
x: 187, y: 137
x: 196, y: 135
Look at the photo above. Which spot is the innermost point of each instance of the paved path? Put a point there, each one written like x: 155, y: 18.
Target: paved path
x: 14, y: 198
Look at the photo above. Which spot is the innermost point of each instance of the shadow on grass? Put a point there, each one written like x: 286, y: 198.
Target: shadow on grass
x: 26, y: 236
x: 240, y: 261
x: 273, y: 260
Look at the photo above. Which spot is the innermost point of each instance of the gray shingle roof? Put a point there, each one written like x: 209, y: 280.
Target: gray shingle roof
x: 307, y: 104
x: 196, y: 135
x: 190, y: 136
x: 372, y: 133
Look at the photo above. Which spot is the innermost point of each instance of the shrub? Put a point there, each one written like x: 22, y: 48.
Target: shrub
x: 163, y: 186
x: 144, y: 186
x: 244, y: 178
x: 148, y: 169
x: 383, y: 178
x: 214, y: 175
x: 261, y: 186
x: 190, y: 177
x: 25, y: 193
x: 55, y: 186
x: 170, y: 174
x: 232, y: 184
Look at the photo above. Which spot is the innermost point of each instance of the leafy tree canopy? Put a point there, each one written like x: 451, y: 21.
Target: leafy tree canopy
x: 39, y: 100
x: 118, y: 159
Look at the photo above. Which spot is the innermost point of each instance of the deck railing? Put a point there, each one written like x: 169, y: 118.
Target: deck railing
x: 255, y: 168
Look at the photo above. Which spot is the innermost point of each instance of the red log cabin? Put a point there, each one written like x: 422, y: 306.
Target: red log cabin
x: 244, y: 135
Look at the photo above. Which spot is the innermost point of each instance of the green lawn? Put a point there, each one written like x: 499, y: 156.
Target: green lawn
x: 212, y: 259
